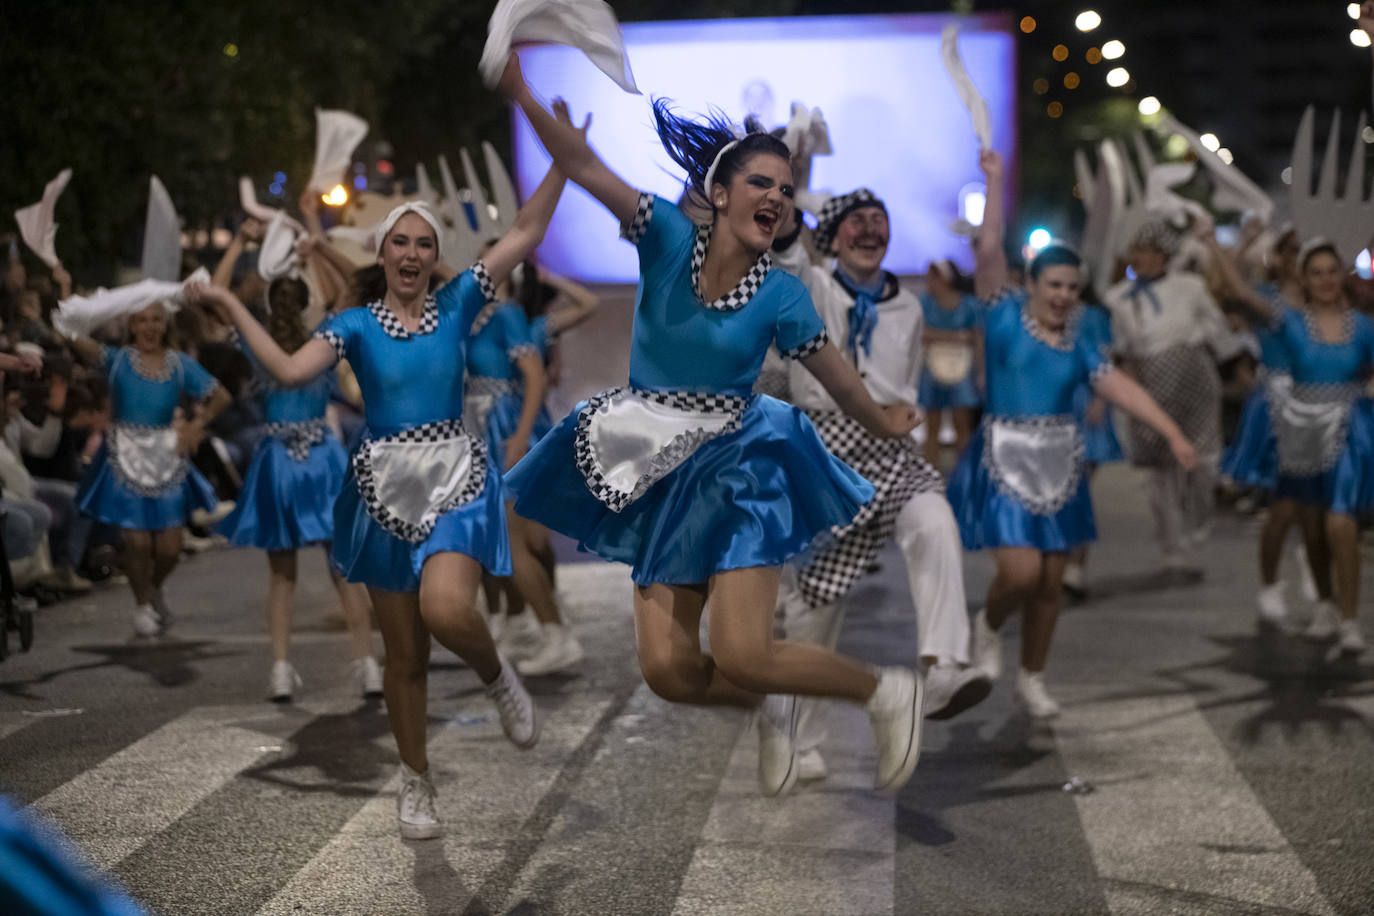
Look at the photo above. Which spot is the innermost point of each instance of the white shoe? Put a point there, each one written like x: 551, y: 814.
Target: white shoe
x: 283, y: 682
x: 145, y: 621
x: 560, y: 651
x: 777, y: 720
x: 1039, y: 703
x: 1073, y: 577
x: 1273, y: 608
x: 951, y: 689
x: 416, y: 815
x: 1351, y: 640
x: 1309, y: 584
x: 987, y: 647
x: 521, y: 638
x: 206, y: 518
x: 1325, y: 619
x: 811, y: 766
x: 163, y: 612
x: 496, y: 626
x: 519, y: 718
x: 368, y: 675
x: 895, y: 712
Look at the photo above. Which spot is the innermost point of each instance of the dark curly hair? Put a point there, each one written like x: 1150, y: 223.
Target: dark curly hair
x: 287, y: 299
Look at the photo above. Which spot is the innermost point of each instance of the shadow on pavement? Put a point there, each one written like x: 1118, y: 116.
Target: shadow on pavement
x: 168, y: 663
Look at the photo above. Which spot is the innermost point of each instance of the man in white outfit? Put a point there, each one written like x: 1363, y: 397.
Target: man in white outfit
x: 879, y: 326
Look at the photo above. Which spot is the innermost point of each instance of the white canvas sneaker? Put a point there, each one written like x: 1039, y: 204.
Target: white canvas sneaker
x: 283, y: 682
x: 811, y: 766
x: 1325, y: 619
x: 950, y: 690
x: 987, y: 646
x: 145, y: 621
x: 519, y: 718
x: 560, y: 651
x: 417, y: 816
x: 1273, y: 607
x: 521, y: 637
x: 1350, y: 640
x: 895, y: 713
x: 1039, y: 703
x: 777, y: 720
x: 368, y: 675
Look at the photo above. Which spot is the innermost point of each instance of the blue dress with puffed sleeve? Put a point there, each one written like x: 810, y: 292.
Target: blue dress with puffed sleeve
x: 495, y: 394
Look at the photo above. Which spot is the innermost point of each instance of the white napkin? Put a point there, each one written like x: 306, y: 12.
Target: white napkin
x: 36, y: 224
x: 589, y: 25
x: 806, y: 133
x: 80, y: 315
x: 161, y: 235
x: 968, y: 93
x: 248, y: 200
x: 337, y: 135
x: 277, y: 256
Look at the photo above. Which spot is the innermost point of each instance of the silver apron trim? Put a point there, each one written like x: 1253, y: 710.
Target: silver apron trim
x: 629, y: 439
x: 949, y: 363
x: 1038, y: 461
x: 409, y: 479
x: 145, y: 458
x: 1310, y: 426
x: 480, y: 394
x: 298, y: 436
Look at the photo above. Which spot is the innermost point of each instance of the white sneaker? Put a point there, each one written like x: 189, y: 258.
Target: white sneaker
x: 283, y: 682
x: 811, y: 766
x: 206, y: 518
x: 1351, y: 639
x: 777, y: 720
x: 895, y: 712
x: 987, y: 646
x: 1325, y: 619
x: 1309, y: 584
x: 522, y: 637
x: 163, y: 612
x: 519, y: 718
x: 368, y: 675
x: 1073, y: 577
x: 951, y: 689
x: 496, y: 625
x: 145, y: 621
x: 1273, y: 608
x: 416, y: 815
x: 1039, y: 703
x: 560, y: 651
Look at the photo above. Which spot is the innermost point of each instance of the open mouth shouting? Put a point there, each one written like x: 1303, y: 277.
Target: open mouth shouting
x: 408, y: 273
x: 767, y: 219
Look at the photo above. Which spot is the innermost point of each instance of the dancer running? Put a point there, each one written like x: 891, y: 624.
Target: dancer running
x: 287, y: 498
x: 949, y: 372
x: 421, y: 513
x: 1324, y: 428
x: 141, y: 480
x: 1019, y: 487
x: 702, y: 488
x: 878, y: 325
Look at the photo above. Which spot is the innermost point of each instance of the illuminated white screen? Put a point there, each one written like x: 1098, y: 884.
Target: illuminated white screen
x: 896, y: 123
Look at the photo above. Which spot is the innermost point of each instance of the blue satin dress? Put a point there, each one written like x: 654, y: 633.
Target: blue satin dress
x: 495, y: 385
x: 136, y: 481
x: 287, y: 498
x: 412, y: 387
x: 1100, y: 444
x: 1326, y: 373
x: 1252, y: 458
x: 967, y: 316
x: 1034, y: 494
x: 754, y: 492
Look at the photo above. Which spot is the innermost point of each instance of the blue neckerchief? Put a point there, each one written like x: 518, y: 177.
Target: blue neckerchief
x: 863, y: 315
x: 1145, y: 285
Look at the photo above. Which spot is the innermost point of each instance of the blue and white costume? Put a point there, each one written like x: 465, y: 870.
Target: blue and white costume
x: 1252, y: 459
x: 1021, y: 481
x: 287, y: 498
x: 495, y: 393
x: 1100, y: 444
x: 1325, y: 427
x: 684, y: 473
x: 138, y: 479
x: 417, y: 484
x: 947, y: 376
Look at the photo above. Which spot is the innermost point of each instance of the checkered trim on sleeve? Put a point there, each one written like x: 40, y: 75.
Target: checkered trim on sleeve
x: 484, y: 317
x: 484, y: 281
x: 810, y: 348
x: 333, y: 339
x: 519, y: 350
x: 428, y: 432
x: 643, y: 213
x: 1102, y: 371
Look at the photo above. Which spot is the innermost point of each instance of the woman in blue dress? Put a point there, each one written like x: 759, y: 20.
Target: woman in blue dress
x: 1324, y: 428
x: 421, y: 513
x: 949, y: 377
x: 287, y: 498
x: 1020, y: 487
x: 141, y: 480
x: 703, y: 488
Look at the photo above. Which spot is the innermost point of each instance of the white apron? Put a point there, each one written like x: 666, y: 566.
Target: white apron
x: 1038, y: 461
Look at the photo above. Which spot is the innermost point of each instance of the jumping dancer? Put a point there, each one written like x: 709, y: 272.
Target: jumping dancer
x: 704, y: 489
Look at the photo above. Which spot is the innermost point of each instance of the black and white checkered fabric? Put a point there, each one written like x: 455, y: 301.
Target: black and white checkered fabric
x: 897, y: 472
x: 1184, y: 382
x: 484, y: 281
x: 1068, y: 337
x: 298, y: 437
x: 744, y: 290
x: 429, y: 319
x: 429, y: 432
x: 643, y: 213
x: 525, y: 349
x: 686, y: 401
x: 812, y: 346
x: 334, y: 340
x: 834, y: 210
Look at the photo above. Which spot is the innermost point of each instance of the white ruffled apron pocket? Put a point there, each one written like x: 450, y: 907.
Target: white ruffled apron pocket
x: 628, y: 439
x: 1310, y: 427
x: 1038, y: 461
x: 409, y: 479
x: 949, y: 363
x: 480, y: 394
x: 145, y: 458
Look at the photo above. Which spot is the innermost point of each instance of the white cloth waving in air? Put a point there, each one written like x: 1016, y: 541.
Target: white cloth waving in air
x: 589, y: 25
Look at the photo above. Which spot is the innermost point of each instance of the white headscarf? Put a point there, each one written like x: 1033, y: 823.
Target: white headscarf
x: 420, y: 209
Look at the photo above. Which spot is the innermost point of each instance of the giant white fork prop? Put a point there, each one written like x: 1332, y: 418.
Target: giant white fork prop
x: 1347, y: 220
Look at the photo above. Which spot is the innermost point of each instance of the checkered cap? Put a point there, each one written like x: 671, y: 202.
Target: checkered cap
x: 834, y: 210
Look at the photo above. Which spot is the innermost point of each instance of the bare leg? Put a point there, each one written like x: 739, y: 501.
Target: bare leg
x: 1280, y: 518
x: 531, y: 578
x: 1018, y: 576
x: 405, y: 679
x: 138, y: 564
x: 356, y: 612
x: 668, y: 640
x: 1042, y: 612
x: 1313, y: 520
x: 963, y: 428
x: 1342, y: 538
x: 448, y: 606
x: 166, y: 554
x: 934, y: 421
x: 281, y: 587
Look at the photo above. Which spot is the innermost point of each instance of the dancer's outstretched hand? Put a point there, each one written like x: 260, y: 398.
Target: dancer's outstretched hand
x: 564, y: 116
x: 900, y: 419
x: 1184, y: 453
x: 990, y: 161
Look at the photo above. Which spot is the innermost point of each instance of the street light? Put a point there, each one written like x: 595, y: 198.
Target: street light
x: 1225, y: 156
x: 1150, y: 105
x: 1118, y: 77
x: 1113, y: 49
x: 337, y: 197
x: 1087, y: 20
x: 1359, y: 38
x: 1210, y: 141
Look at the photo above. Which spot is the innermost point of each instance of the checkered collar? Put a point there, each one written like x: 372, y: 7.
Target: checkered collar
x: 429, y: 319
x: 749, y: 284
